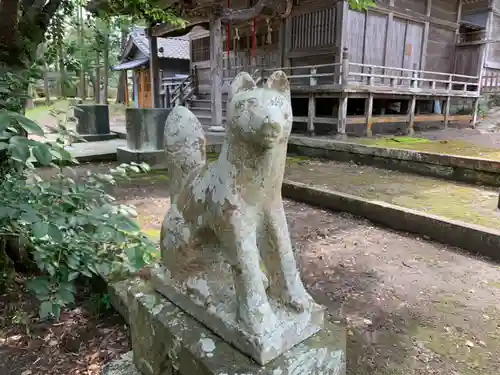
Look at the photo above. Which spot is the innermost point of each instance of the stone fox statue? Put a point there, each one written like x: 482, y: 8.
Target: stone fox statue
x: 235, y: 203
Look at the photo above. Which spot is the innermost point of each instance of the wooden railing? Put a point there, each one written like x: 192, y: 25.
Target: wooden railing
x: 374, y: 75
x: 177, y: 90
x: 230, y: 73
x: 311, y: 75
x: 356, y: 76
x: 363, y: 76
x: 490, y: 82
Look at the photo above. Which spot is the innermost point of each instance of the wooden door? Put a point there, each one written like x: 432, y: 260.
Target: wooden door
x: 144, y: 89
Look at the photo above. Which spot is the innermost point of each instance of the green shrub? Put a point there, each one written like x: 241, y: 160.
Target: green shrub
x: 71, y: 226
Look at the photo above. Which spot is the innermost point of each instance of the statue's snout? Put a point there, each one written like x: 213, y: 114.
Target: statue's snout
x: 272, y: 128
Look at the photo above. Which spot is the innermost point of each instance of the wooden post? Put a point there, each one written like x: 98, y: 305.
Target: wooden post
x: 341, y: 28
x: 287, y: 42
x: 311, y: 111
x: 253, y: 58
x: 181, y: 95
x: 474, y: 113
x: 411, y: 116
x: 216, y: 61
x: 449, y: 86
x: 414, y: 82
x: 368, y: 114
x: 423, y: 57
x: 342, y: 116
x: 447, y: 111
x: 345, y: 67
x: 387, y: 46
x: 370, y: 78
x: 154, y: 68
x: 168, y: 99
x: 195, y: 80
x: 262, y: 69
x: 126, y: 99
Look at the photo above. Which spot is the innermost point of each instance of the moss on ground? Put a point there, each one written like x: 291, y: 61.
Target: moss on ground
x: 152, y: 233
x: 472, y: 204
x: 452, y: 147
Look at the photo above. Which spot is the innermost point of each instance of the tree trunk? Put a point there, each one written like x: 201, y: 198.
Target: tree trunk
x: 62, y: 71
x: 46, y: 89
x: 97, y: 83
x: 105, y: 75
x: 122, y: 81
x: 29, y: 102
x: 83, y: 86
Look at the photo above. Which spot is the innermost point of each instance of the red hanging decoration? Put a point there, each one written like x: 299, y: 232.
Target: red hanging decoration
x: 254, y: 37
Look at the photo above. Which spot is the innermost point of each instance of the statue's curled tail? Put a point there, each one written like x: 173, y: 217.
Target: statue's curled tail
x: 184, y: 146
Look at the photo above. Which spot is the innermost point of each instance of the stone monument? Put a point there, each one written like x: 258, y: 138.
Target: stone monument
x: 227, y: 257
x: 93, y: 122
x: 144, y: 128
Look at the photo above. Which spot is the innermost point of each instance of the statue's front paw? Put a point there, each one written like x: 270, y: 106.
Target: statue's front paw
x: 257, y: 319
x: 300, y: 302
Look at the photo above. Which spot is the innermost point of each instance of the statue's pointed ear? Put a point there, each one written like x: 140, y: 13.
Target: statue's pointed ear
x: 279, y: 81
x: 243, y: 81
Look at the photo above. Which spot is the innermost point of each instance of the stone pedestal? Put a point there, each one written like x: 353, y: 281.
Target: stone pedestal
x: 166, y: 340
x: 145, y: 128
x: 93, y: 122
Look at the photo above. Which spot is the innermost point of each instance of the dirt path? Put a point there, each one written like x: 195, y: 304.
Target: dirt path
x: 411, y: 306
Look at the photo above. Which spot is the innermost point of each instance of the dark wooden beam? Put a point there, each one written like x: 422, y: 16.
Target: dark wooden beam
x: 154, y: 68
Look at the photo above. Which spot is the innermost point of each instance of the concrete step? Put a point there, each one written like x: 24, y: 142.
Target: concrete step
x: 204, y: 103
x: 207, y: 120
x: 204, y: 111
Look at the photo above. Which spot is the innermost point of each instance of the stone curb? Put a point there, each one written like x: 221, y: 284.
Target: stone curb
x: 451, y: 167
x: 473, y: 238
x: 93, y: 158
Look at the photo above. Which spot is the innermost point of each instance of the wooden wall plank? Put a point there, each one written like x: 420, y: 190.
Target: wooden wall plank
x: 413, y: 45
x: 440, y: 47
x: 396, y: 36
x: 445, y: 9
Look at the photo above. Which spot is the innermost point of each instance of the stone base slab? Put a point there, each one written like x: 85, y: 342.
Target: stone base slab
x: 121, y: 366
x: 98, y: 137
x: 151, y: 157
x: 166, y: 340
x: 289, y: 328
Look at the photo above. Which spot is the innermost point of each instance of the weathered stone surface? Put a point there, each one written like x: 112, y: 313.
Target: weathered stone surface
x: 226, y: 216
x: 93, y: 121
x: 121, y: 366
x: 118, y: 293
x: 145, y: 128
x: 168, y: 341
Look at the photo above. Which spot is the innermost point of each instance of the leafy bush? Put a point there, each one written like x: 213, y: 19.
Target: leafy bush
x: 71, y: 225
